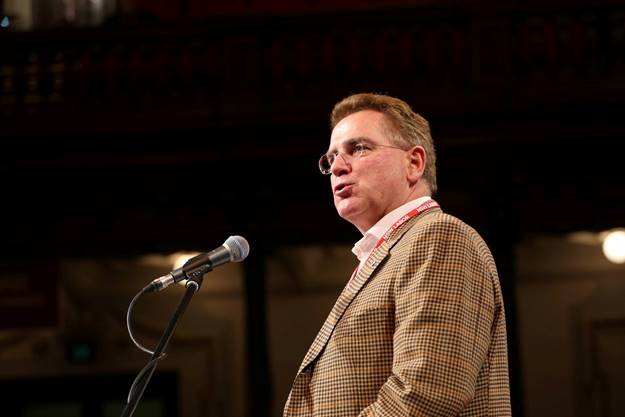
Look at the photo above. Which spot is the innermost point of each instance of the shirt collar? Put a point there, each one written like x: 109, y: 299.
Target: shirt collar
x: 364, y: 246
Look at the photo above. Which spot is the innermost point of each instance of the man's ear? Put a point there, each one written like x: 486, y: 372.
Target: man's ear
x: 417, y: 160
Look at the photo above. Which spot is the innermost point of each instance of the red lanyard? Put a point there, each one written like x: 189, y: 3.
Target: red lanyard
x: 403, y: 219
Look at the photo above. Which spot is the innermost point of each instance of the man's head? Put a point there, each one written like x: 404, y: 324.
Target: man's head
x: 404, y: 127
x: 381, y: 156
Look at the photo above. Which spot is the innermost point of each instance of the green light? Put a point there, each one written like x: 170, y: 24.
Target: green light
x: 81, y: 352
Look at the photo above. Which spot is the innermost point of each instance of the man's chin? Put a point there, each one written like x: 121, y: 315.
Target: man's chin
x: 348, y: 211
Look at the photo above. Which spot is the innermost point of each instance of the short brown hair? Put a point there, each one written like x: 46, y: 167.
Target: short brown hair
x: 404, y: 126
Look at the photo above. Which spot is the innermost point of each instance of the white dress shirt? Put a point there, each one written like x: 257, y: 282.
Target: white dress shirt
x: 363, y: 248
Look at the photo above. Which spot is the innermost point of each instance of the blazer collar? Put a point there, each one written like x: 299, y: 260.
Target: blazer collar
x: 354, y: 286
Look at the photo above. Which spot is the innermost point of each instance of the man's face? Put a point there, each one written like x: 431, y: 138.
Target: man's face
x: 368, y: 187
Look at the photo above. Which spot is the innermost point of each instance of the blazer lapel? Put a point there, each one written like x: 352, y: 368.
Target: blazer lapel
x: 347, y: 295
x: 352, y: 288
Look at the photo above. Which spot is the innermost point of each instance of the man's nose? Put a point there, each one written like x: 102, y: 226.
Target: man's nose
x: 340, y: 166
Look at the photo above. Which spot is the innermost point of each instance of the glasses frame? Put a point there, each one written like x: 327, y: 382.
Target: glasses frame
x: 355, y: 154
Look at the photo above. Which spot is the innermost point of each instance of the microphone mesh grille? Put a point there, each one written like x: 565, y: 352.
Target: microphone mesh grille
x: 239, y: 248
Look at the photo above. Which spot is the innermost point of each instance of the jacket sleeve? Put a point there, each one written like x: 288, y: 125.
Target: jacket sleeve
x: 444, y: 311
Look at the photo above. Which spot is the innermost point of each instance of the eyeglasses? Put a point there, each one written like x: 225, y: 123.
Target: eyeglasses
x: 352, y: 149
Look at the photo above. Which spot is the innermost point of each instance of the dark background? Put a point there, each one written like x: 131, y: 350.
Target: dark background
x: 173, y: 124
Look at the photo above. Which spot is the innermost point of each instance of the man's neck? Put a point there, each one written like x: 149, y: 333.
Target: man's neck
x: 418, y: 191
x: 364, y: 246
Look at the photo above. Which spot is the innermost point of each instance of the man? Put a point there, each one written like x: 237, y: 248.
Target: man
x: 419, y: 329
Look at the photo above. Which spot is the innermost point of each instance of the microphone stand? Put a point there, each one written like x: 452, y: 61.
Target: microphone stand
x: 192, y: 286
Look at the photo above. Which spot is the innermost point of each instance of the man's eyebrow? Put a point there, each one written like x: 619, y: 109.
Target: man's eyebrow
x: 360, y: 139
x: 352, y: 141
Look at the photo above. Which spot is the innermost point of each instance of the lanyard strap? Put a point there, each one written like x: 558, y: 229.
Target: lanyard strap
x: 430, y: 204
x: 403, y: 219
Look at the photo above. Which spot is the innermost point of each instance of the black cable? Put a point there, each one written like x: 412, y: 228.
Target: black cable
x: 146, y: 368
x: 129, y: 323
x: 143, y: 378
x: 152, y: 361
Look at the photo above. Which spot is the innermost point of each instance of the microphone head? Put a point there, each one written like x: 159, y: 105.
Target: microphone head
x: 238, y: 248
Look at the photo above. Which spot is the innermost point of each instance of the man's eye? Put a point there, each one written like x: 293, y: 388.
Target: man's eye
x: 359, y: 148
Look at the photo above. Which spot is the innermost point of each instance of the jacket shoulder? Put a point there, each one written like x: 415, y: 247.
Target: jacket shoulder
x: 439, y: 227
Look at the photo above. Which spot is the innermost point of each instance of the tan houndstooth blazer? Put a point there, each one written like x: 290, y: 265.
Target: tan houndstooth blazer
x: 419, y: 331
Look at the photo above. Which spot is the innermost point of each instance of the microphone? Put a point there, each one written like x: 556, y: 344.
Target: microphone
x: 234, y: 249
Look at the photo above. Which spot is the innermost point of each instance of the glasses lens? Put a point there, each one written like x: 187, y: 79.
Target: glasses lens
x: 325, y: 164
